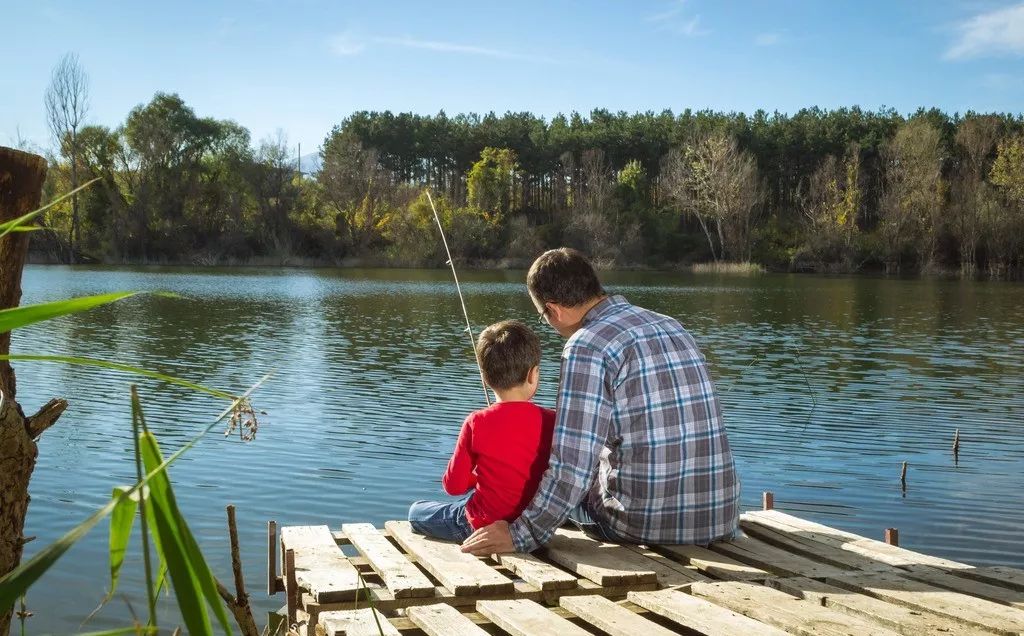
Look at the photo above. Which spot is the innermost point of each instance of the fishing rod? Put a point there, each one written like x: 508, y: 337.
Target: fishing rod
x: 458, y: 288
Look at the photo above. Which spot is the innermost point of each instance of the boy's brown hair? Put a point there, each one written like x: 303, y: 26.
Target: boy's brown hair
x: 507, y: 351
x: 563, y: 276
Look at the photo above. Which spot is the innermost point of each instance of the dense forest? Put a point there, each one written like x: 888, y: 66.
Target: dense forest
x: 841, y: 190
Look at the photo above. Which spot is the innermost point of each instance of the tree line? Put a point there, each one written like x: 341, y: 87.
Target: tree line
x: 841, y: 190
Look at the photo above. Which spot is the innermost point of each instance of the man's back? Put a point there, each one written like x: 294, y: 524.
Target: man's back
x: 667, y: 474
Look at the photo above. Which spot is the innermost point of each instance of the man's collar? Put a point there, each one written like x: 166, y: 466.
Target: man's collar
x: 606, y: 306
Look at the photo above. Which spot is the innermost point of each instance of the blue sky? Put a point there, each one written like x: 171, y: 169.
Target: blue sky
x: 303, y: 66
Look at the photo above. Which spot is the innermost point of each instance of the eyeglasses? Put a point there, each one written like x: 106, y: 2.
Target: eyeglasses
x: 542, y: 316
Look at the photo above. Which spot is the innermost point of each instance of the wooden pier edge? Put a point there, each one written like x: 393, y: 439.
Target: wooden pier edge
x: 785, y: 575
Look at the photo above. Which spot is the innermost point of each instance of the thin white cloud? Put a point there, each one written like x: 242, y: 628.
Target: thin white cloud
x: 676, y: 20
x: 346, y: 43
x: 999, y: 32
x: 454, y: 47
x: 767, y: 39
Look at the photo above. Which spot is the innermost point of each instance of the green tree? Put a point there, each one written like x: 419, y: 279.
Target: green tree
x: 490, y: 182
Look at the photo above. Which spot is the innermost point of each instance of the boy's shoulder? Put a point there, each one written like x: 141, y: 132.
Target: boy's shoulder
x: 502, y: 411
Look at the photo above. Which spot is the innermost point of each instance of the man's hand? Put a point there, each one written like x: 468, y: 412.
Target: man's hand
x: 492, y: 539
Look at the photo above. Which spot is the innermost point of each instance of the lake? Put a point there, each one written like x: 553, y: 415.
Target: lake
x: 827, y: 384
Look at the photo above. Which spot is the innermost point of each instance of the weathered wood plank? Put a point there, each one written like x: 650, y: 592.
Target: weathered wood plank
x: 400, y: 576
x: 536, y: 572
x: 700, y: 615
x: 670, y: 573
x: 922, y: 596
x: 798, y: 543
x: 527, y: 618
x: 712, y: 563
x: 320, y: 565
x: 878, y: 550
x: 611, y: 617
x: 940, y: 578
x: 602, y: 563
x: 898, y: 618
x: 773, y: 559
x: 360, y: 622
x: 786, y: 612
x: 1001, y: 575
x: 441, y: 619
x: 463, y: 574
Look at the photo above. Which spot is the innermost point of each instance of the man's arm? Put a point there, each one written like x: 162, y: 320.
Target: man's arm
x: 459, y: 476
x: 583, y: 415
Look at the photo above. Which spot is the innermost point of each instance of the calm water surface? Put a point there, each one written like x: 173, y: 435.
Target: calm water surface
x: 828, y: 384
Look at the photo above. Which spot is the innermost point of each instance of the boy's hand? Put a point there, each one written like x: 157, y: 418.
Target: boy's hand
x: 492, y: 539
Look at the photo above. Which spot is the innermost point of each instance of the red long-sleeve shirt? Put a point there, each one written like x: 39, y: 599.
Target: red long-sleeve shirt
x: 502, y: 451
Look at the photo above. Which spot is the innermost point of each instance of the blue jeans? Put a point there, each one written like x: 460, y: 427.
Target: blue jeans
x: 590, y: 524
x: 446, y: 521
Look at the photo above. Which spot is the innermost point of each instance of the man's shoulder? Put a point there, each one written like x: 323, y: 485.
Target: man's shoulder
x: 621, y: 328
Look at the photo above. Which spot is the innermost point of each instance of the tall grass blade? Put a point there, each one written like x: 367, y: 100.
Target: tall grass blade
x: 122, y: 631
x: 122, y: 518
x: 17, y: 581
x: 16, y: 317
x: 190, y: 575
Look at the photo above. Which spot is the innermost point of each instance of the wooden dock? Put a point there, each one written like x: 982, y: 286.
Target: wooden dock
x: 786, y: 576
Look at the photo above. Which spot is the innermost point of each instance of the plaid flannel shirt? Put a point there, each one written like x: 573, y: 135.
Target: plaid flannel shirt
x: 638, y: 434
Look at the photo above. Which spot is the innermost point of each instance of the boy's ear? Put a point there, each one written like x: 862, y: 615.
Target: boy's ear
x: 533, y: 377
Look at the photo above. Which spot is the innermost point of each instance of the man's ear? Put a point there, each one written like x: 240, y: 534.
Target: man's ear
x: 556, y: 311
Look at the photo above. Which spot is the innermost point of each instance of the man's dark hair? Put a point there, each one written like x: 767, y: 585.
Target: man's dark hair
x: 563, y: 276
x: 507, y: 351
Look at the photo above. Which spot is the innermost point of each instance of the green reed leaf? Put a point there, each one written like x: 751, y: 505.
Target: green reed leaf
x: 16, y: 317
x: 122, y: 518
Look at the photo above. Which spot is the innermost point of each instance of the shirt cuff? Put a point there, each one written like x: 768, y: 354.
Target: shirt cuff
x: 522, y: 538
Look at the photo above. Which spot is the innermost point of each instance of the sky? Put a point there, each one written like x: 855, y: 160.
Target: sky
x: 302, y: 66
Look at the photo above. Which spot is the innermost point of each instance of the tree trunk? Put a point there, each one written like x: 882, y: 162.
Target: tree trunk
x: 21, y: 184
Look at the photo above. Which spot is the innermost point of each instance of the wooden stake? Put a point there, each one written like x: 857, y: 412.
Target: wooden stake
x: 903, y: 476
x: 291, y: 586
x: 767, y: 500
x: 892, y: 536
x: 271, y: 558
x: 956, y: 443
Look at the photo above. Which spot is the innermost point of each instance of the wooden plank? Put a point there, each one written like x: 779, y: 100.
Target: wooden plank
x: 536, y: 572
x: 922, y: 596
x: 360, y: 622
x: 441, y: 619
x: 463, y: 574
x: 320, y: 565
x: 895, y: 617
x: 817, y: 550
x: 699, y: 615
x: 773, y: 559
x: 712, y: 563
x: 786, y: 612
x: 875, y: 549
x: 399, y: 575
x: 528, y: 618
x: 670, y: 573
x: 602, y: 563
x: 940, y: 578
x: 611, y: 617
x: 1001, y: 575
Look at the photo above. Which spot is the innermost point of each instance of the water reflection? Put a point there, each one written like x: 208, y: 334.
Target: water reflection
x: 828, y: 385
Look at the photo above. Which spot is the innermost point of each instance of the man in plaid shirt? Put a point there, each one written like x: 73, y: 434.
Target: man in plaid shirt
x: 639, y: 453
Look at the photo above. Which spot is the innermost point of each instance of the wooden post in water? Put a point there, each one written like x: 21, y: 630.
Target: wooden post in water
x: 903, y: 477
x: 291, y: 586
x: 271, y: 558
x: 21, y: 187
x: 956, y: 446
x: 892, y: 536
x: 767, y: 500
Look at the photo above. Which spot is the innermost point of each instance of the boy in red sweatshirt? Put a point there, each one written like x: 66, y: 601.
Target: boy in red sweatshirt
x: 502, y: 450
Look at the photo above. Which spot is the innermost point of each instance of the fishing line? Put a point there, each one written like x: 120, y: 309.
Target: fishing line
x: 458, y: 288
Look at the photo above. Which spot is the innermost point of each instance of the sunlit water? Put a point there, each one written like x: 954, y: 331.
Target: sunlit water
x: 828, y: 385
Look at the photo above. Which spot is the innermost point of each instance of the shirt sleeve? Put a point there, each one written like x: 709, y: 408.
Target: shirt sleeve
x: 583, y: 418
x: 459, y: 476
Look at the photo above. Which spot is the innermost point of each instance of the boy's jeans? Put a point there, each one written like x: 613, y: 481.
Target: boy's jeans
x: 446, y: 521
